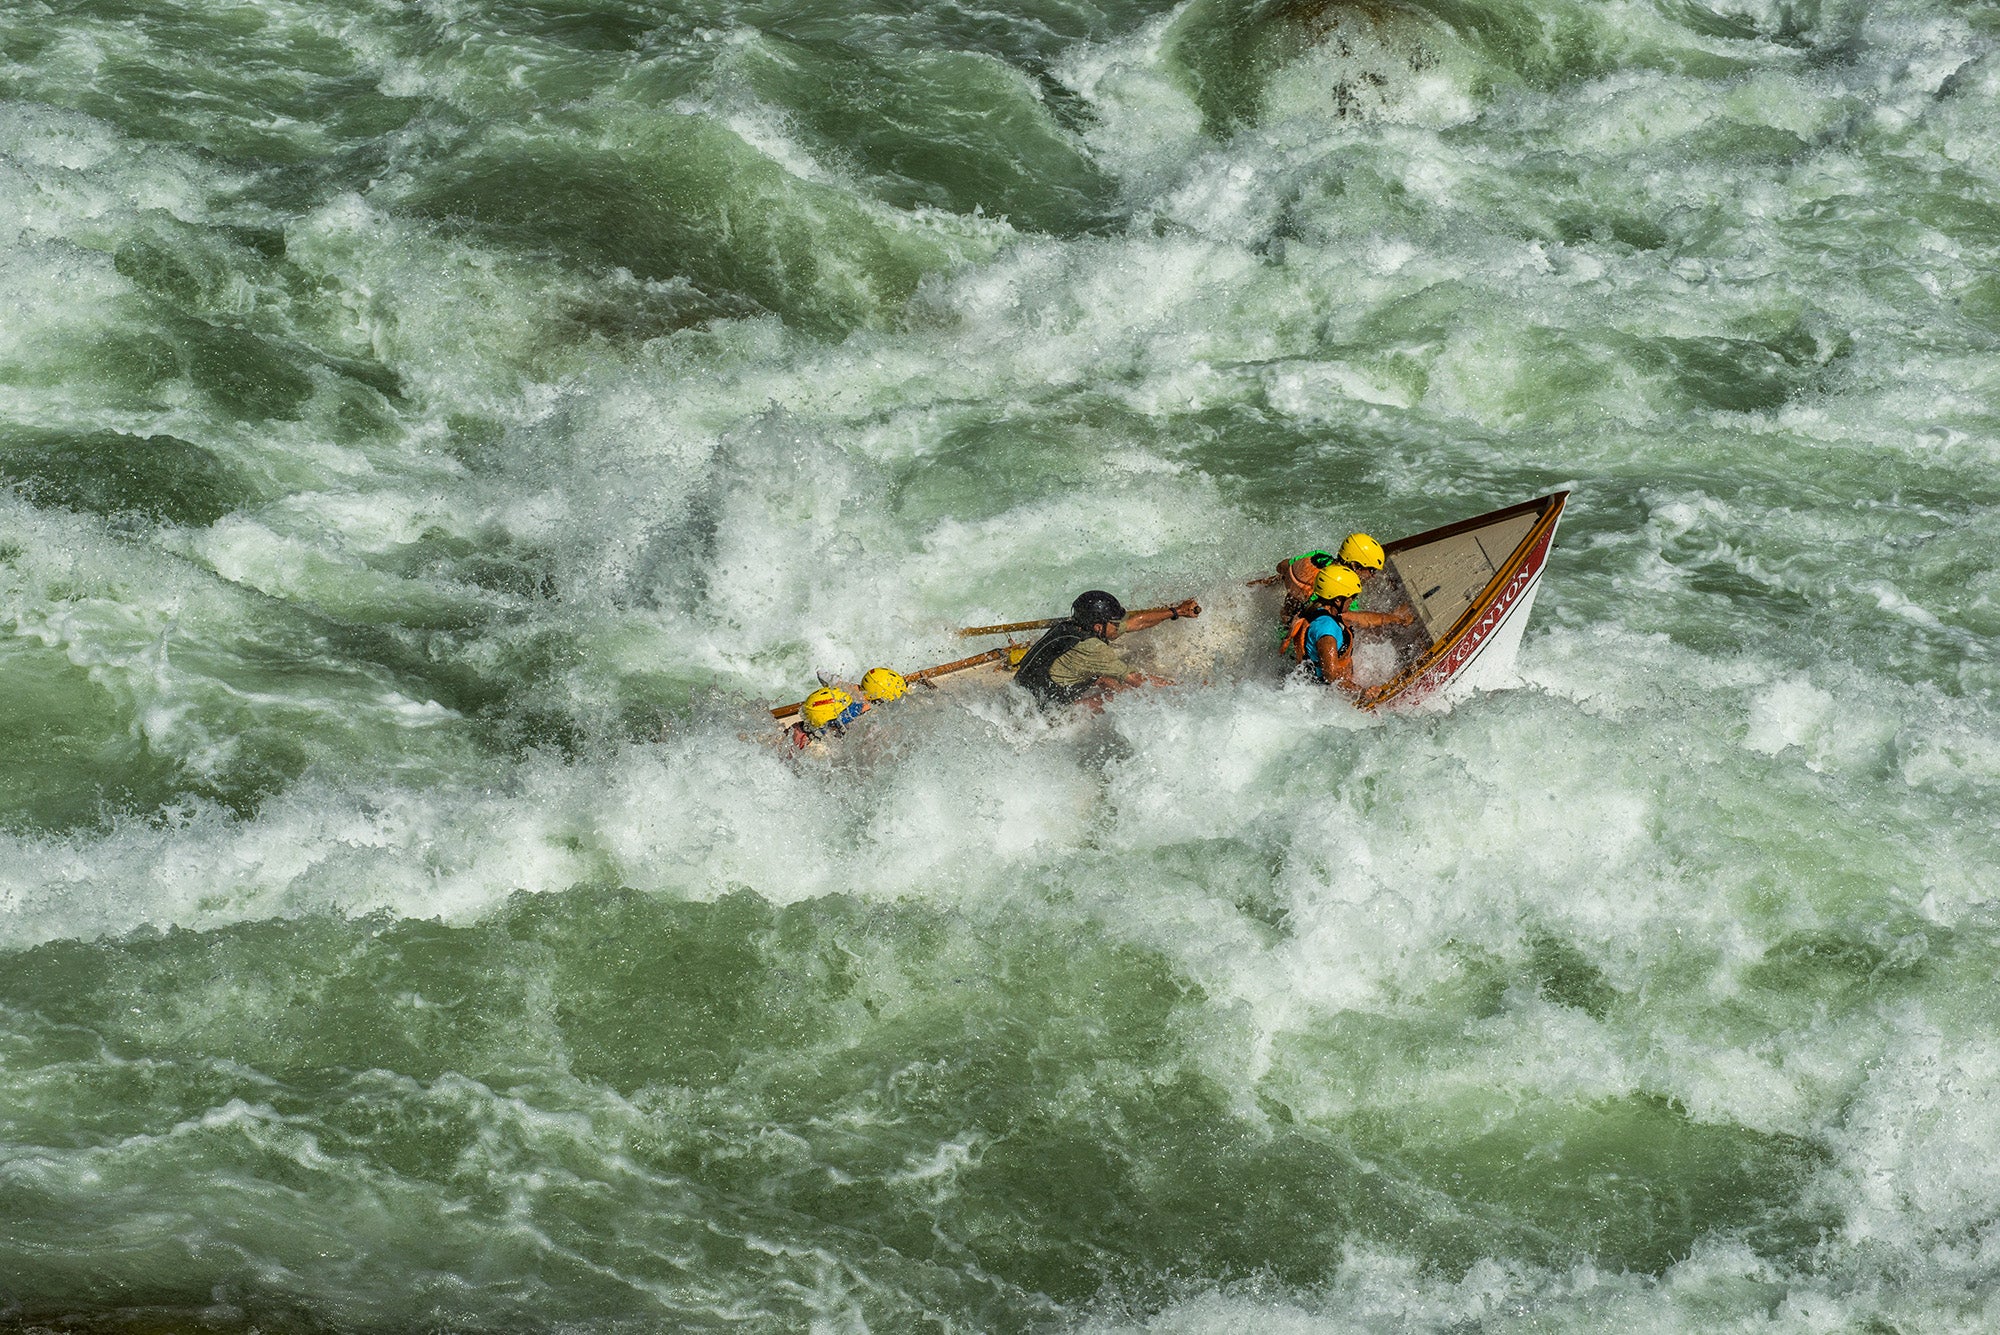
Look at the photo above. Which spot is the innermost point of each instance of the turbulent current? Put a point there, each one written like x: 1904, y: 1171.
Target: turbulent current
x: 433, y: 432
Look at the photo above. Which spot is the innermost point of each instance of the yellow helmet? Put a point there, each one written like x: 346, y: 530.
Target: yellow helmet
x: 825, y: 705
x: 1336, y: 582
x: 883, y: 684
x: 1361, y: 550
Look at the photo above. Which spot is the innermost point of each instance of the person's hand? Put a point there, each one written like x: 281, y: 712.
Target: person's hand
x: 1404, y: 616
x: 1187, y: 608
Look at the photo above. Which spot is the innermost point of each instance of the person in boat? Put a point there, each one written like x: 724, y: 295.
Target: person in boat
x: 1295, y: 576
x: 1323, y: 631
x: 1074, y: 659
x: 1360, y: 554
x: 828, y: 710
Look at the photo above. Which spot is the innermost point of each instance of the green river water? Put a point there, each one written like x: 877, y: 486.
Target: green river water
x: 432, y: 430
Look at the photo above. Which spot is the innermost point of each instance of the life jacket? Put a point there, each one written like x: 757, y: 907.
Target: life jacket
x: 1033, y: 674
x: 1295, y: 634
x: 1296, y: 589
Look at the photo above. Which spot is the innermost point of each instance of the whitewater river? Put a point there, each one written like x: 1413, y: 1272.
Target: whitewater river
x: 434, y: 430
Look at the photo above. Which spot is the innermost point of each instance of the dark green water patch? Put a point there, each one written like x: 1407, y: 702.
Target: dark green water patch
x: 1979, y: 302
x: 301, y: 1000
x: 509, y: 687
x: 1228, y: 50
x: 953, y: 130
x: 1603, y: 223
x: 1545, y: 46
x: 1700, y: 18
x: 1742, y: 375
x: 1723, y: 142
x: 1627, y: 1183
x: 636, y: 312
x: 183, y: 264
x: 1792, y: 24
x: 246, y: 374
x: 681, y: 196
x: 992, y: 1115
x: 1630, y: 1183
x: 1842, y: 969
x: 162, y: 478
x: 74, y: 761
x: 648, y: 991
x: 185, y: 1309
x: 1563, y: 975
x: 240, y: 82
x: 977, y: 470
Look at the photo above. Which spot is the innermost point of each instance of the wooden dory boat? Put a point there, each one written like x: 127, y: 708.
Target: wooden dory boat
x: 1472, y: 585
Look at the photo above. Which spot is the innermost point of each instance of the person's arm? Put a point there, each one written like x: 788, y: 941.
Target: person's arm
x: 1283, y: 573
x: 1109, y: 670
x: 1131, y: 679
x: 1105, y: 687
x: 1151, y: 617
x: 1402, y: 616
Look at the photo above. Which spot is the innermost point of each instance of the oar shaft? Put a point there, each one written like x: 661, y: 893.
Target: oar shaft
x: 925, y: 674
x: 1012, y: 626
x: 1008, y: 629
x: 922, y: 674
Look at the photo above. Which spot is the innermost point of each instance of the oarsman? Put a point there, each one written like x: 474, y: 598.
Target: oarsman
x: 1074, y: 659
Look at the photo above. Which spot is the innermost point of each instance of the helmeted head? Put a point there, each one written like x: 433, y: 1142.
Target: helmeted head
x: 1336, y: 583
x: 1363, y: 551
x: 825, y: 705
x: 883, y: 684
x: 1097, y: 608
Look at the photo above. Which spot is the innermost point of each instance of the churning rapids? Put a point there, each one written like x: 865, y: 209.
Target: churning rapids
x: 431, y: 431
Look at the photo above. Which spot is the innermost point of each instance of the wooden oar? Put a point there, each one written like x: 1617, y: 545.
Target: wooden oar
x: 1013, y: 626
x: 990, y: 656
x: 922, y: 674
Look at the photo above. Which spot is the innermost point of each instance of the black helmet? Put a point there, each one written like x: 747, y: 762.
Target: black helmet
x: 1096, y: 607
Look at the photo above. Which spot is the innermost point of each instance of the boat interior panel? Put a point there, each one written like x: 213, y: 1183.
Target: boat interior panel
x: 1446, y: 576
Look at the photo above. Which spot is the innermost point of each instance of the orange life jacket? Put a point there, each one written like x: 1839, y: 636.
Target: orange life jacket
x: 1295, y: 633
x: 1300, y: 588
x: 1295, y: 639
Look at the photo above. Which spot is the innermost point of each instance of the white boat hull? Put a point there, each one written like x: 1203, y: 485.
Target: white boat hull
x: 1480, y: 650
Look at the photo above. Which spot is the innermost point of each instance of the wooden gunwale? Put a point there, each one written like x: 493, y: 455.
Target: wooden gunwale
x: 1551, y: 507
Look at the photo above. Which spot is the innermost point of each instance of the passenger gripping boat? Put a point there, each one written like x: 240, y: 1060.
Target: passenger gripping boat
x: 1359, y: 553
x: 1323, y: 630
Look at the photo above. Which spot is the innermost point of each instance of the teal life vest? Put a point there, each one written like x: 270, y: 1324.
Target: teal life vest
x: 1342, y: 637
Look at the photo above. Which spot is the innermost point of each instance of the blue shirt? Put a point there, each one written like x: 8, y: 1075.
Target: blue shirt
x: 1319, y: 628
